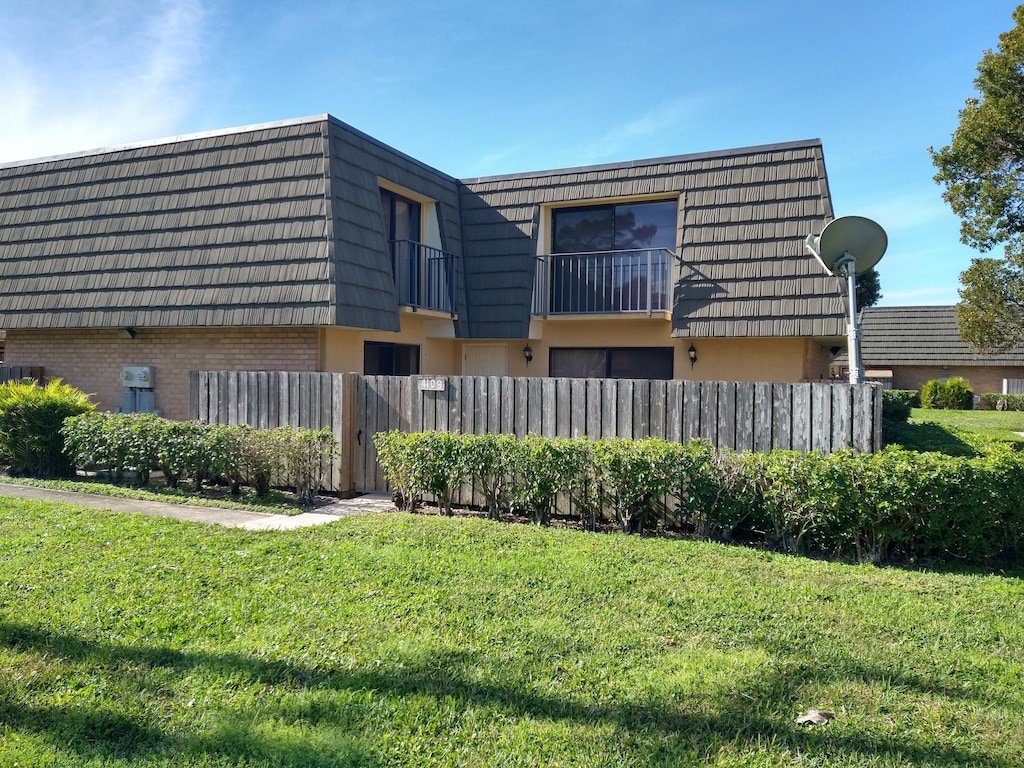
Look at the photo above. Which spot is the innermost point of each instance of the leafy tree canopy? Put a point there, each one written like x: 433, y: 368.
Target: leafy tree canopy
x: 869, y: 289
x: 982, y: 171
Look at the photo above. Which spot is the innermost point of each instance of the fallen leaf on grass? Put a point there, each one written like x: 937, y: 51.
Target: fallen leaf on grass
x: 815, y: 717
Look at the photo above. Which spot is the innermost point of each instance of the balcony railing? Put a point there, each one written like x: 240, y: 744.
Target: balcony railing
x: 606, y: 281
x: 426, y: 276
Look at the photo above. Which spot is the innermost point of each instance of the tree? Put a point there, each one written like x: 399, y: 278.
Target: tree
x: 869, y: 289
x: 982, y: 171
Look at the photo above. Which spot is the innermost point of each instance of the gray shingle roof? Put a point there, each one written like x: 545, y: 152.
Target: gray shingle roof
x: 221, y: 229
x: 744, y: 212
x: 892, y: 336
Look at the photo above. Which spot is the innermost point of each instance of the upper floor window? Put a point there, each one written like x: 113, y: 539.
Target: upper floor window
x: 401, y: 216
x: 614, y: 227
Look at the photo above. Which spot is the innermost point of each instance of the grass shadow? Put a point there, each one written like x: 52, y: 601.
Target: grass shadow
x: 746, y: 717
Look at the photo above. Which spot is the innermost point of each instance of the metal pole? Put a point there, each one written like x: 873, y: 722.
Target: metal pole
x: 849, y: 265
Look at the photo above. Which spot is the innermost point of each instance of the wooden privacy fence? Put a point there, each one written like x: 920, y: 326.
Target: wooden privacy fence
x: 19, y: 372
x: 746, y: 416
x: 268, y: 399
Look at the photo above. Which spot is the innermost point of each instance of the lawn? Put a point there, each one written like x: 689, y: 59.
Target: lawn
x: 959, y: 433
x: 407, y: 640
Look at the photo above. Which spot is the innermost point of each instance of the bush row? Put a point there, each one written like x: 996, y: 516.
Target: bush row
x: 897, y: 403
x: 994, y: 401
x: 869, y: 507
x: 241, y: 455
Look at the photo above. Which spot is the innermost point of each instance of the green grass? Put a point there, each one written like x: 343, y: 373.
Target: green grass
x: 402, y: 640
x: 959, y: 433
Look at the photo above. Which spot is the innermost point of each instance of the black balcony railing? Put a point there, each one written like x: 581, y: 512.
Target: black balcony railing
x: 607, y: 281
x: 425, y: 276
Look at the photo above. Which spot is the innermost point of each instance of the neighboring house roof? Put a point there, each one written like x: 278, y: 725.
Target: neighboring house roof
x: 894, y: 336
x: 743, y: 267
x: 280, y: 224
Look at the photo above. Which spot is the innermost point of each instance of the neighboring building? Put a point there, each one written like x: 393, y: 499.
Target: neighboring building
x: 913, y: 345
x: 307, y: 245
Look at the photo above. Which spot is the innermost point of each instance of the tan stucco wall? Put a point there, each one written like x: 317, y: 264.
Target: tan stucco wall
x: 91, y: 360
x: 342, y: 348
x: 717, y: 359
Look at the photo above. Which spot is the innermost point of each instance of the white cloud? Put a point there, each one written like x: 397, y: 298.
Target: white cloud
x: 115, y: 72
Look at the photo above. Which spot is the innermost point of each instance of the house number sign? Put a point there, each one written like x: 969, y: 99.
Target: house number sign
x: 432, y: 384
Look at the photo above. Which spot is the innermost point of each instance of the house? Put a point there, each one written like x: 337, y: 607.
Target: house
x: 308, y: 245
x: 909, y: 346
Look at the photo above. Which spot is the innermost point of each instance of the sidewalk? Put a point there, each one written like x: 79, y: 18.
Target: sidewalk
x: 232, y: 518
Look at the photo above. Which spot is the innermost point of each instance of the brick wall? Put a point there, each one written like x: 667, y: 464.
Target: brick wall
x: 982, y: 379
x: 92, y: 359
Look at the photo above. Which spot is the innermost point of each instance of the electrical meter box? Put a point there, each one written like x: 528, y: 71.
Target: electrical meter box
x: 137, y: 376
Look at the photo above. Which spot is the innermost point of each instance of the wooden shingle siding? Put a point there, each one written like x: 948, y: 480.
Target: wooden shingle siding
x: 220, y: 230
x: 744, y: 215
x: 366, y: 287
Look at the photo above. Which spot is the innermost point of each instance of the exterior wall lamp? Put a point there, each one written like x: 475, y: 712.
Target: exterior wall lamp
x: 692, y: 352
x: 528, y: 354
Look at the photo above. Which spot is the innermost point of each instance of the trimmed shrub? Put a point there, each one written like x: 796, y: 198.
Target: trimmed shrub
x: 30, y: 420
x: 716, y: 490
x: 631, y: 475
x: 994, y: 401
x: 897, y: 404
x: 553, y: 466
x: 492, y: 461
x: 955, y: 394
x: 309, y: 452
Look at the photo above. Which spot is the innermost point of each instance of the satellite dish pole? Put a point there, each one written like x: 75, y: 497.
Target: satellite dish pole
x: 850, y: 246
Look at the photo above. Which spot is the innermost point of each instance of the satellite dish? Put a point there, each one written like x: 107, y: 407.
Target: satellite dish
x: 850, y: 246
x: 862, y: 238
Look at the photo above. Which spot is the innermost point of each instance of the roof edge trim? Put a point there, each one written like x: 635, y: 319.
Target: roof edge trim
x: 166, y: 140
x: 803, y: 144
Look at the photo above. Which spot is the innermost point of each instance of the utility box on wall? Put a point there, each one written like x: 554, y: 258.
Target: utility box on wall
x: 137, y: 394
x: 137, y: 376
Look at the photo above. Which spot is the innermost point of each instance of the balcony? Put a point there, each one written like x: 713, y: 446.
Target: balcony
x: 425, y: 276
x: 636, y: 280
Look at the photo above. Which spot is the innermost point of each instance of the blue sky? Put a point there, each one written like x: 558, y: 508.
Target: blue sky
x: 477, y: 88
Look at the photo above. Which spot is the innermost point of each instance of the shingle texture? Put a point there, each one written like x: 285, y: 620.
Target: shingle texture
x: 894, y: 336
x: 744, y: 214
x: 281, y: 225
x: 229, y: 229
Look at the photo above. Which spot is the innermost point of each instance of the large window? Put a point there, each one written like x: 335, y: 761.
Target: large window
x: 384, y: 359
x: 611, y: 362
x: 614, y: 227
x: 611, y: 258
x: 401, y: 216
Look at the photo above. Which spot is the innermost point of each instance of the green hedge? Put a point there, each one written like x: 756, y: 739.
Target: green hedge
x: 141, y: 443
x: 994, y: 401
x: 897, y: 403
x: 867, y: 507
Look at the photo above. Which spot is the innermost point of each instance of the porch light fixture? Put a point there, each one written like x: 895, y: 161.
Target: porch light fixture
x: 528, y: 354
x: 127, y: 333
x: 692, y: 352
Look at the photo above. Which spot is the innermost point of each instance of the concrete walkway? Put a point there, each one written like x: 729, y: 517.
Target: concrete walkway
x: 233, y: 518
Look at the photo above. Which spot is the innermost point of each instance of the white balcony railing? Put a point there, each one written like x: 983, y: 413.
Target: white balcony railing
x: 608, y: 281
